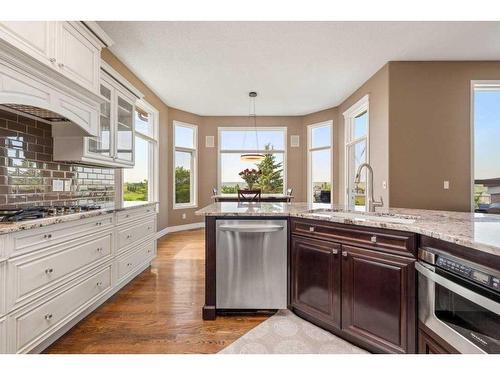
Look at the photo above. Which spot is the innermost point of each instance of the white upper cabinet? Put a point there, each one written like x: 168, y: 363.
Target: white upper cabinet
x: 36, y: 38
x: 70, y: 48
x: 77, y: 57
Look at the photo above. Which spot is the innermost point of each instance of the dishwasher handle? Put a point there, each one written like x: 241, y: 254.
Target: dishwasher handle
x: 251, y: 228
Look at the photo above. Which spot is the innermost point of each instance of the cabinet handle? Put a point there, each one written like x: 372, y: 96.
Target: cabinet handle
x: 99, y: 283
x: 129, y: 264
x: 373, y: 239
x: 344, y: 253
x: 47, y: 236
x: 335, y: 251
x: 311, y: 229
x: 48, y: 316
x: 48, y: 271
x: 98, y: 223
x: 52, y: 60
x: 99, y: 249
x: 61, y: 65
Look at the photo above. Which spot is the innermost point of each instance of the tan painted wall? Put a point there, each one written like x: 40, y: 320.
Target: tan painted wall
x: 156, y: 102
x: 377, y: 87
x: 429, y: 136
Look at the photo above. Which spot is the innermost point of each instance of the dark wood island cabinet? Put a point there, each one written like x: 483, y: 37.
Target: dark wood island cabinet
x: 359, y: 283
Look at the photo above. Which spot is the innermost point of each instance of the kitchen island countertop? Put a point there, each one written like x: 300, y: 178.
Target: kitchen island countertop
x: 473, y: 230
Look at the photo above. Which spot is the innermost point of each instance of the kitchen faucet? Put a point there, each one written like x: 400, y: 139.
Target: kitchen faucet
x: 372, y: 203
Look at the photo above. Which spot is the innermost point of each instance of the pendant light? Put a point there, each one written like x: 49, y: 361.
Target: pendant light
x: 253, y: 156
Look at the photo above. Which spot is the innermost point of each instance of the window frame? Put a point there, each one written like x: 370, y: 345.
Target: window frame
x: 220, y: 151
x: 193, y: 201
x: 358, y: 108
x: 311, y: 149
x: 153, y: 157
x: 477, y: 85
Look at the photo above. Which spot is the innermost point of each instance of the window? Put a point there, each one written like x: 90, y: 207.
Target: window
x: 319, y: 161
x: 486, y: 153
x: 233, y: 142
x: 356, y: 151
x: 185, y: 162
x: 140, y: 182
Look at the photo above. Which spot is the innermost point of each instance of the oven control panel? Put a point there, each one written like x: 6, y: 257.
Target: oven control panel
x: 473, y: 274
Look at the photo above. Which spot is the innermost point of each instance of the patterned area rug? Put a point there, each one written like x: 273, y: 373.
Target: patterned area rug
x: 286, y: 333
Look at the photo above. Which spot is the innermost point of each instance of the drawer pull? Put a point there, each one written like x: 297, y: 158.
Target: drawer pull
x: 311, y: 229
x: 127, y: 215
x: 335, y: 251
x: 48, y: 316
x: 344, y: 253
x: 98, y: 223
x: 48, y: 271
x: 129, y: 264
x: 373, y: 239
x: 99, y: 249
x: 99, y: 283
x: 47, y: 236
x: 128, y: 236
x: 149, y: 228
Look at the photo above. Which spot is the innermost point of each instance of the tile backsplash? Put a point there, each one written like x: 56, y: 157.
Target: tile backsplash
x: 27, y: 169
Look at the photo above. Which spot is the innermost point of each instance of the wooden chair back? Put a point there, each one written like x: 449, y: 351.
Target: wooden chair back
x: 249, y: 195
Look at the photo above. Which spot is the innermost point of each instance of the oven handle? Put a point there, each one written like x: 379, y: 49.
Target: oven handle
x: 458, y: 289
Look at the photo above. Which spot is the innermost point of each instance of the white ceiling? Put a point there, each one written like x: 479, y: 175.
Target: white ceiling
x: 208, y: 68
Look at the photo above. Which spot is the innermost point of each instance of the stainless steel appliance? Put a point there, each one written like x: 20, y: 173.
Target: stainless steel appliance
x: 251, y: 265
x: 459, y: 301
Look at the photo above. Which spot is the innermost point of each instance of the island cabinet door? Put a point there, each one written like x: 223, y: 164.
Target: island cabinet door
x: 378, y: 299
x: 315, y: 280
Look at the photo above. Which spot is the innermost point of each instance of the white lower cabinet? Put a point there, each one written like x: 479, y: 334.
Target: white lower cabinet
x: 49, y: 280
x: 3, y: 335
x: 31, y: 325
x: 129, y: 262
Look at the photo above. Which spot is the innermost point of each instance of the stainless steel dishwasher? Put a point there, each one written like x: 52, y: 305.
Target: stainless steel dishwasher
x: 251, y: 269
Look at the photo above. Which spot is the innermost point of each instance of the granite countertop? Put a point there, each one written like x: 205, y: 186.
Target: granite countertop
x: 478, y: 231
x: 37, y: 223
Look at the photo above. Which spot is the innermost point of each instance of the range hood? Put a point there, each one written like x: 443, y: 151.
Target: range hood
x: 30, y: 87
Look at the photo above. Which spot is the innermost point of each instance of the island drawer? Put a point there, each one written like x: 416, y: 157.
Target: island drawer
x: 396, y: 242
x: 31, y: 325
x: 37, y: 271
x: 134, y: 233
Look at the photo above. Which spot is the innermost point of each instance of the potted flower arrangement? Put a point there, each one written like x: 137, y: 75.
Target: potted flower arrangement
x: 250, y: 176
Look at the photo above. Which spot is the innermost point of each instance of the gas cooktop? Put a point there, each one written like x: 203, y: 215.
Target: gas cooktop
x: 39, y: 212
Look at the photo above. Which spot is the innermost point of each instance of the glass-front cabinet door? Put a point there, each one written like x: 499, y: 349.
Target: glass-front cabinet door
x: 124, y: 129
x: 102, y: 146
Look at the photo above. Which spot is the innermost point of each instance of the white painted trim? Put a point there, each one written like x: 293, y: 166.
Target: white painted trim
x: 121, y: 79
x: 360, y: 106
x: 488, y: 85
x: 194, y: 166
x: 284, y: 129
x: 179, y: 228
x: 94, y: 27
x: 309, y: 160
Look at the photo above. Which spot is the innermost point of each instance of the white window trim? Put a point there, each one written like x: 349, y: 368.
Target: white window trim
x: 194, y: 166
x: 240, y: 128
x: 357, y: 108
x: 477, y: 85
x: 153, y: 186
x: 310, y: 150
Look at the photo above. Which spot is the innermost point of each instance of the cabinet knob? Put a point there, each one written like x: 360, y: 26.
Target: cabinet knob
x: 128, y: 236
x: 48, y: 271
x: 47, y: 236
x: 129, y: 264
x: 344, y: 253
x: 127, y: 215
x: 52, y: 60
x: 311, y: 229
x: 99, y: 249
x: 48, y: 316
x: 61, y: 65
x: 99, y: 283
x: 373, y: 239
x: 98, y: 223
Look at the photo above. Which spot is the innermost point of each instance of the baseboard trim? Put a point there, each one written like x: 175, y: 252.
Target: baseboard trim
x: 179, y: 228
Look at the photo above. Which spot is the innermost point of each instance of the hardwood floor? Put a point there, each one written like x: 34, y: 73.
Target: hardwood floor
x: 160, y: 310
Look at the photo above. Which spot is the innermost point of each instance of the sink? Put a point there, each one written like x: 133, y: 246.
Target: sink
x: 380, y: 217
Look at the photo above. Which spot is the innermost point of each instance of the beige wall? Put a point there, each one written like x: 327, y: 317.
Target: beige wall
x: 429, y: 136
x: 377, y: 87
x: 156, y: 102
